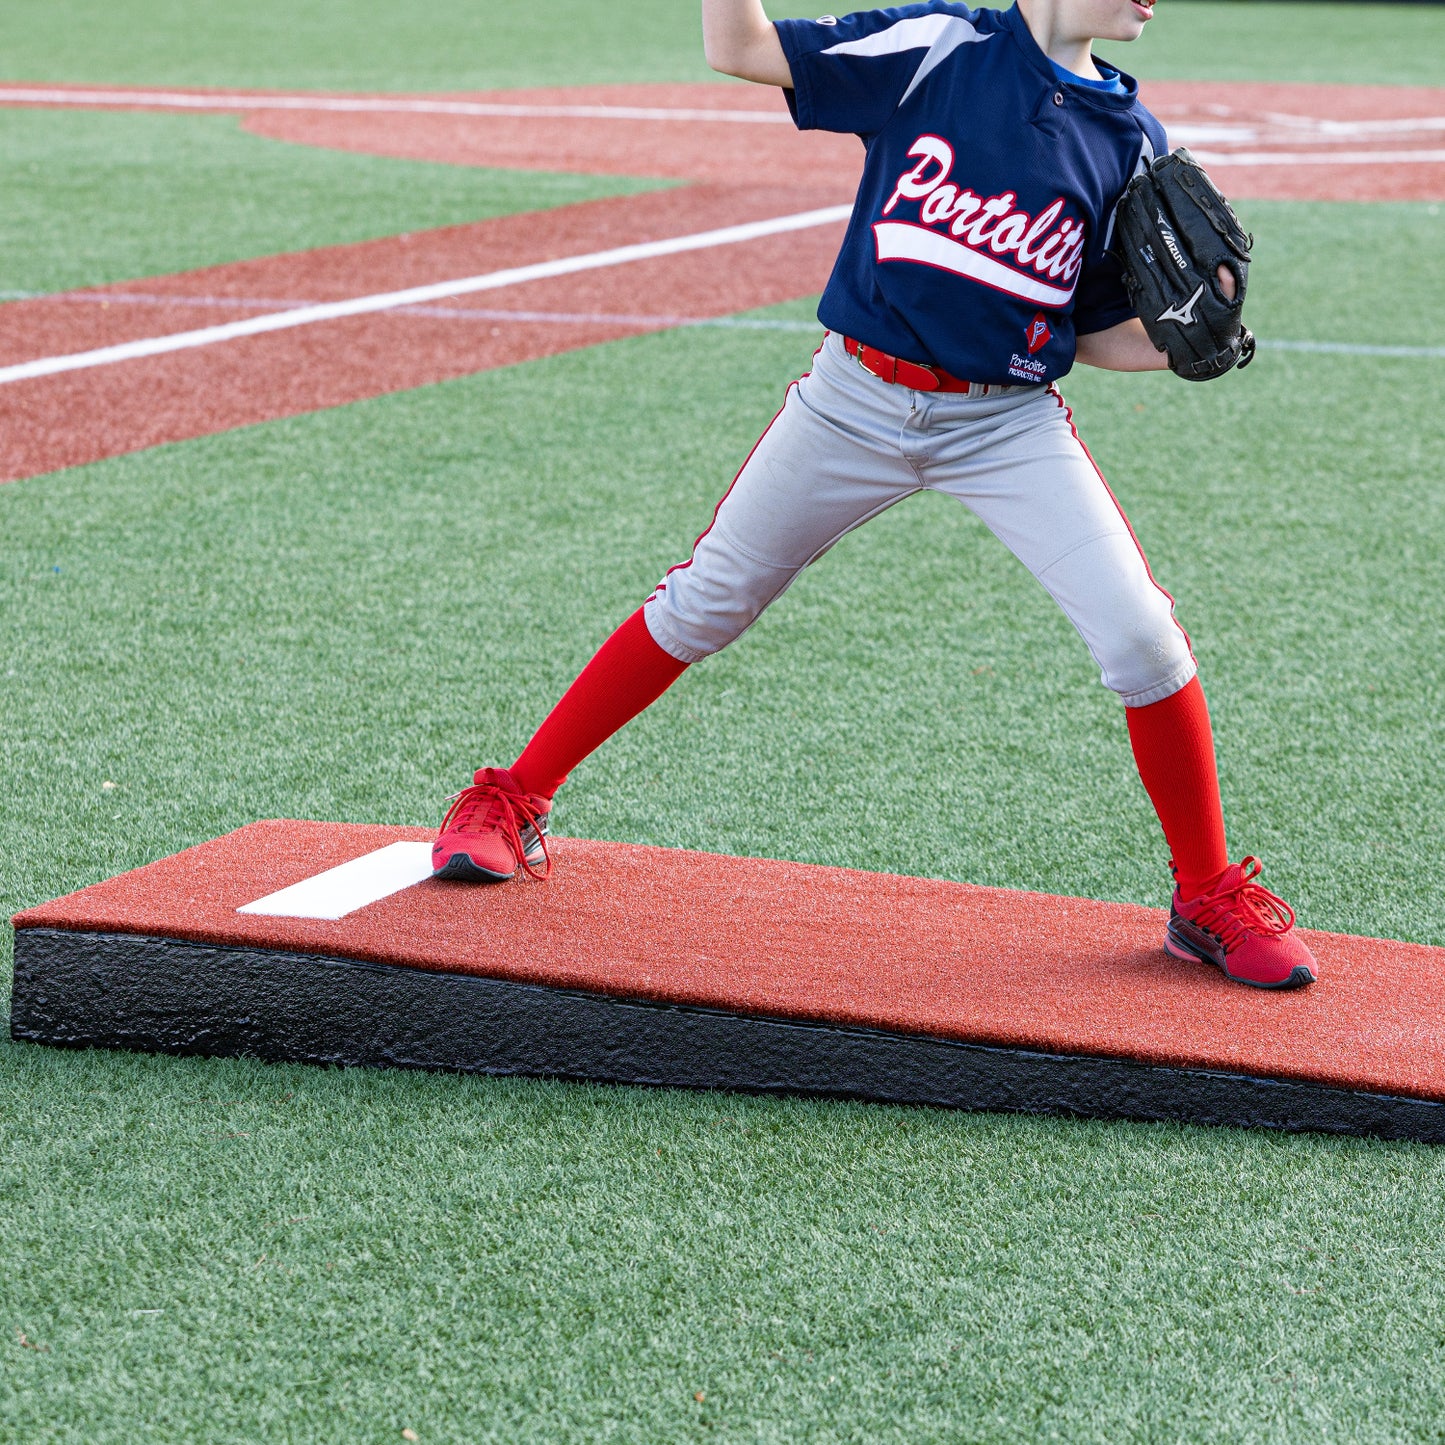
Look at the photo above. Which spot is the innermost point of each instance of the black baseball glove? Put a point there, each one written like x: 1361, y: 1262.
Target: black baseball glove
x: 1172, y: 232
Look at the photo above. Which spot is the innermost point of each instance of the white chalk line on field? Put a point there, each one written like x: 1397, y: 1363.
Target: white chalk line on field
x: 1316, y: 126
x: 311, y: 314
x: 380, y: 105
x: 104, y: 299
x: 1319, y: 158
x: 1352, y: 348
x: 651, y: 321
x: 1306, y: 130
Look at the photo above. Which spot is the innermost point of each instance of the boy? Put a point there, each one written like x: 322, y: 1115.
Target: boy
x: 973, y: 273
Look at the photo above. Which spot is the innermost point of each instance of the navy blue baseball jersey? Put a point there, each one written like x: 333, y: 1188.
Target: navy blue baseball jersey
x: 978, y: 238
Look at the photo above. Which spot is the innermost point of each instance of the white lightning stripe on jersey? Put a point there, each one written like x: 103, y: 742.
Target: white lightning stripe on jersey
x: 1146, y: 159
x: 919, y: 32
x: 959, y: 32
x: 903, y: 241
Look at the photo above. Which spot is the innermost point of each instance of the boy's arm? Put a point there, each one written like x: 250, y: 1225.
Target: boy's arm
x: 1125, y: 347
x: 739, y: 39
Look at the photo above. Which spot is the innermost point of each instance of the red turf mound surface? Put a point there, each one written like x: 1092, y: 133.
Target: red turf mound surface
x: 833, y: 945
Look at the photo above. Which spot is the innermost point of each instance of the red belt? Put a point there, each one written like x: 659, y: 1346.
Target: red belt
x: 911, y: 374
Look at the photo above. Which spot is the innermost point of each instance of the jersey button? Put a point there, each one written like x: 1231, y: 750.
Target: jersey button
x: 1058, y: 97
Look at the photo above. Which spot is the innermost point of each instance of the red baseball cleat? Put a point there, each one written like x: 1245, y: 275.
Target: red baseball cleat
x: 1244, y: 929
x: 490, y: 830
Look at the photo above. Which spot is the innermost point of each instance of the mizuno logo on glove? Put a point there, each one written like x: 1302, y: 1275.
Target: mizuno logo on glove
x: 1184, y: 314
x: 1167, y: 236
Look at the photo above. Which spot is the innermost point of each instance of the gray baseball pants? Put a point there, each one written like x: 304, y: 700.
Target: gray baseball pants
x: 847, y: 446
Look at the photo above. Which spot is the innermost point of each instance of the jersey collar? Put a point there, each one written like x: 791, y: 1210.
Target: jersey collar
x: 1014, y: 22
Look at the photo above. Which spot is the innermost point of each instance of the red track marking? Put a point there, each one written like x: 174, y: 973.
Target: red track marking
x: 1294, y: 118
x: 723, y: 152
x: 771, y: 155
x: 83, y: 416
x: 790, y: 940
x: 49, y: 325
x: 1243, y: 117
x: 769, y: 170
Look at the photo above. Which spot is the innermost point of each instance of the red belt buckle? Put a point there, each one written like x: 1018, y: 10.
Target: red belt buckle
x: 894, y: 369
x: 864, y: 354
x: 919, y: 378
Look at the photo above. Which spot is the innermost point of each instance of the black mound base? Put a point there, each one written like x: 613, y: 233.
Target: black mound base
x: 76, y: 989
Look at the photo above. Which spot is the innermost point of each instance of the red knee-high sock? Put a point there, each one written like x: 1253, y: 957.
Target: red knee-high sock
x: 1174, y: 749
x: 629, y: 671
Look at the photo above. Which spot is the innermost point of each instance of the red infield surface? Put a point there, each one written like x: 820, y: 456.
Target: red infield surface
x: 732, y: 148
x: 823, y: 945
x: 82, y: 416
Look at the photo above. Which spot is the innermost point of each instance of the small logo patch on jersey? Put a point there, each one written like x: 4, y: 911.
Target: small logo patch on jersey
x: 1038, y: 332
x: 827, y: 20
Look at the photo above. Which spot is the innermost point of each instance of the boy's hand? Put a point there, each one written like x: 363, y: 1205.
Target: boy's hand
x: 739, y: 39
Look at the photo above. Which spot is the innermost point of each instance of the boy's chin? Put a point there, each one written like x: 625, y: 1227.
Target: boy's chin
x: 1125, y: 31
x: 1126, y: 26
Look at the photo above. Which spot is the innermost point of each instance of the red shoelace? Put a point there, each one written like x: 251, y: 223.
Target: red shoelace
x: 1247, y: 907
x: 488, y: 808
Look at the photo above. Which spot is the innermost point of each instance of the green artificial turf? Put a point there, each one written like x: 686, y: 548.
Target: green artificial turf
x: 338, y: 616
x: 427, y: 571
x: 111, y: 196
x: 224, y: 1252
x: 1350, y: 274
x: 465, y: 45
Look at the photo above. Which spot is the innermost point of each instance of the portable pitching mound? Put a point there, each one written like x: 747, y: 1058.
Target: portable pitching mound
x: 328, y: 943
